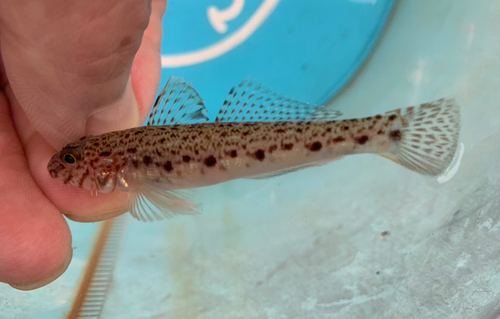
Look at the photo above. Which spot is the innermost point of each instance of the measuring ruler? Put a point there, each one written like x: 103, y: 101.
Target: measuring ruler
x: 98, y: 276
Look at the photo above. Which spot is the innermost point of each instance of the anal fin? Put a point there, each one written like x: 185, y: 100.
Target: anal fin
x: 294, y: 169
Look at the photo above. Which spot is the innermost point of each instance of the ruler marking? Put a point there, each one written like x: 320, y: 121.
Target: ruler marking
x: 97, y: 278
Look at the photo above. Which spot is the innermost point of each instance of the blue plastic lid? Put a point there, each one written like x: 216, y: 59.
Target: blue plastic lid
x: 307, y: 50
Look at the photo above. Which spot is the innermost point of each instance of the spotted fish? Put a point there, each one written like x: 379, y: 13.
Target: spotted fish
x: 257, y: 134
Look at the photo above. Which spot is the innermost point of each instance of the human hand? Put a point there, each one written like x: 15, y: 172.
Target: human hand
x: 67, y: 69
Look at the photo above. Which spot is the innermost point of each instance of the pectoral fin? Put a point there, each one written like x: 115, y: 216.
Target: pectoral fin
x: 150, y: 201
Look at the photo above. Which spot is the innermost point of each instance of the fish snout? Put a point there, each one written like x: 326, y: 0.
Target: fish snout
x: 54, y: 167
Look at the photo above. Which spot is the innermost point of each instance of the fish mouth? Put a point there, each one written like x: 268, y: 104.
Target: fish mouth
x: 54, y: 167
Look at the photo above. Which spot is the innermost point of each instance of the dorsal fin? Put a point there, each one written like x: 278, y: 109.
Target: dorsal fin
x: 250, y: 101
x: 178, y: 103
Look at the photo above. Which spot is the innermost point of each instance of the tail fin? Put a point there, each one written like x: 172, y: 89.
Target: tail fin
x: 429, y: 137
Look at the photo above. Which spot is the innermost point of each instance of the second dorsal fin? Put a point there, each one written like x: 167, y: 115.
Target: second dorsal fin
x: 178, y: 103
x: 250, y: 101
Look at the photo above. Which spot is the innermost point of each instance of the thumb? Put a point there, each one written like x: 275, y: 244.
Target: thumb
x: 122, y: 114
x: 71, y: 61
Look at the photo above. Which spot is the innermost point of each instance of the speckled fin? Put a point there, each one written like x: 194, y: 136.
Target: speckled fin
x: 178, y: 103
x: 152, y: 202
x: 428, y: 142
x: 252, y: 102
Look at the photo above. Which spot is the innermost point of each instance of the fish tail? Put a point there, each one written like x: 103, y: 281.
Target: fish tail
x: 426, y: 138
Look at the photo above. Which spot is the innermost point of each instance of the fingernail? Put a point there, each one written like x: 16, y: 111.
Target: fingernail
x: 98, y: 218
x: 47, y: 280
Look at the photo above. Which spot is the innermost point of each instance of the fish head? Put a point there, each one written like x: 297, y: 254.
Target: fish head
x: 75, y: 165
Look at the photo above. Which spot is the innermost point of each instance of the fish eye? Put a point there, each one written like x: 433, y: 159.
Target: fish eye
x: 69, y: 158
x: 70, y: 154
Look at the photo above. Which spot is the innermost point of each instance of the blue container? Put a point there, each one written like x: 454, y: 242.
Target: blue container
x: 307, y: 50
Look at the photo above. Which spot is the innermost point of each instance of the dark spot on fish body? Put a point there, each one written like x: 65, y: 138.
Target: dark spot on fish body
x: 105, y: 153
x: 287, y: 146
x: 392, y: 117
x: 132, y: 150
x: 158, y: 153
x: 316, y: 146
x: 186, y: 158
x: 329, y: 129
x: 168, y: 166
x: 96, y: 144
x: 233, y: 153
x: 299, y: 130
x: 162, y: 140
x: 396, y: 135
x: 210, y: 161
x: 147, y: 160
x: 260, y: 155
x: 127, y: 135
x: 135, y: 163
x: 339, y: 139
x: 273, y: 148
x: 137, y: 132
x: 345, y: 128
x: 362, y: 139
